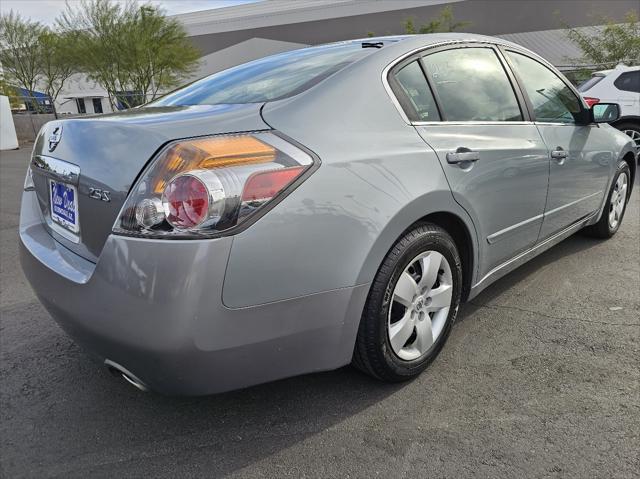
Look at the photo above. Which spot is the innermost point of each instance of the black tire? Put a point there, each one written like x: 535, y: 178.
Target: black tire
x: 373, y: 353
x: 602, y: 229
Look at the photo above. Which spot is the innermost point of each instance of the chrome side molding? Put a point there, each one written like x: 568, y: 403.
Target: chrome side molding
x: 520, y: 259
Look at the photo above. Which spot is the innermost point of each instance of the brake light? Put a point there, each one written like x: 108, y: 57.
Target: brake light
x: 186, y: 202
x: 591, y: 100
x: 265, y: 185
x: 203, y: 186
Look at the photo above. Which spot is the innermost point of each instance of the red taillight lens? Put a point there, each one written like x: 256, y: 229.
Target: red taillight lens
x: 266, y: 184
x: 186, y: 202
x: 199, y: 187
x: 591, y: 100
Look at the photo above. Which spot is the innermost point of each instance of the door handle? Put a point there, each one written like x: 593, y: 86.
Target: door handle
x: 558, y: 154
x: 462, y: 155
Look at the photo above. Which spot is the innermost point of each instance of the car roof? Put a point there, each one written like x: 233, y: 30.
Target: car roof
x: 619, y: 68
x: 399, y: 45
x: 396, y: 47
x: 428, y: 39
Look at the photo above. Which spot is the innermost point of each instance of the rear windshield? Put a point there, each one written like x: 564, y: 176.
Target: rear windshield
x: 584, y: 86
x: 267, y: 79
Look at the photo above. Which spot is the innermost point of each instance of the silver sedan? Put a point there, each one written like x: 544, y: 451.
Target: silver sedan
x: 315, y: 208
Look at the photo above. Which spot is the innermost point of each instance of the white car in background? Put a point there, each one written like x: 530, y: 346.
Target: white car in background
x: 620, y: 85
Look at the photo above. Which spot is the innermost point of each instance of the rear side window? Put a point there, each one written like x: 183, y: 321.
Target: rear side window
x: 553, y: 101
x: 628, y: 81
x: 590, y: 83
x: 270, y: 78
x: 472, y: 85
x: 415, y: 93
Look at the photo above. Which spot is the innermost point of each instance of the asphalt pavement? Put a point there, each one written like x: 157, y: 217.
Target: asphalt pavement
x: 540, y: 378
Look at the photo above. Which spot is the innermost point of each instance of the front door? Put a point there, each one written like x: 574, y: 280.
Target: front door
x: 495, y: 161
x: 580, y: 163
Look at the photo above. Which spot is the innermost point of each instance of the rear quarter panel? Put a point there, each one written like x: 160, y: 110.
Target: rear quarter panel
x: 376, y: 179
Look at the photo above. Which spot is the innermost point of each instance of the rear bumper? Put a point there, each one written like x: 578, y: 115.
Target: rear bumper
x: 155, y: 308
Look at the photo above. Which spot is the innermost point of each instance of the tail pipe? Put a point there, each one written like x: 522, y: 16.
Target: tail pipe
x: 119, y: 371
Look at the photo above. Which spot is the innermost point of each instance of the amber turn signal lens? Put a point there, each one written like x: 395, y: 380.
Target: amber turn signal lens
x: 216, y: 152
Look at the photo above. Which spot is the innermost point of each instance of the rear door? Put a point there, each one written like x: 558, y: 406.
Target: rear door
x: 580, y: 154
x: 493, y: 157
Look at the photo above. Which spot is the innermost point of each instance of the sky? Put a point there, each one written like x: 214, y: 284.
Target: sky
x: 46, y: 10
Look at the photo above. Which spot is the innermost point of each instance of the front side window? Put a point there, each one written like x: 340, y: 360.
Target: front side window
x: 270, y: 78
x: 552, y: 100
x: 628, y: 81
x: 416, y: 93
x: 472, y: 85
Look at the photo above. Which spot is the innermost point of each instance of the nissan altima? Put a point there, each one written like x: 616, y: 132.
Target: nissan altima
x: 315, y: 208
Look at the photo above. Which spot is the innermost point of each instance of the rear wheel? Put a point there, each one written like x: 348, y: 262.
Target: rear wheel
x: 411, y: 307
x: 615, y: 206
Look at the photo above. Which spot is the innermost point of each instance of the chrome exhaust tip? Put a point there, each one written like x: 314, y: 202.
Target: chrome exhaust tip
x: 117, y: 370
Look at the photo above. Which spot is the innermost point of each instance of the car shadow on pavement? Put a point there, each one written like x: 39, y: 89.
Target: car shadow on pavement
x: 85, y: 422
x: 570, y: 246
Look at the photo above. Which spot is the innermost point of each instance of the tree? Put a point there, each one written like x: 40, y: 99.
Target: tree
x: 163, y: 56
x: 57, y: 61
x: 133, y: 52
x: 614, y: 44
x: 9, y: 91
x: 444, y: 23
x: 20, y: 52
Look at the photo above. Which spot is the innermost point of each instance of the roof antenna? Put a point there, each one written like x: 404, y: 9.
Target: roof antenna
x: 372, y: 44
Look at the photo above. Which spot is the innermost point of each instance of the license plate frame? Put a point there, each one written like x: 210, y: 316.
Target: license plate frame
x: 63, y: 206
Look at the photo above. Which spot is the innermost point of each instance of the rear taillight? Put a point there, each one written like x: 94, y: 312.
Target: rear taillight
x: 204, y: 186
x: 186, y: 201
x: 591, y: 101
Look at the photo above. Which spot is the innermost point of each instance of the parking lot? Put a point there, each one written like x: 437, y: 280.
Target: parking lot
x: 540, y: 378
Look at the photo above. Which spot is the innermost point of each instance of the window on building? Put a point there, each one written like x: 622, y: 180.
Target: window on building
x: 472, y: 85
x: 82, y: 108
x: 97, y: 105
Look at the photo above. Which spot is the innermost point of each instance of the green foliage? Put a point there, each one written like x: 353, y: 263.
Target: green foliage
x: 58, y: 61
x: 444, y: 23
x: 614, y: 44
x: 163, y: 55
x: 9, y: 90
x: 127, y: 48
x: 20, y: 51
x: 34, y: 57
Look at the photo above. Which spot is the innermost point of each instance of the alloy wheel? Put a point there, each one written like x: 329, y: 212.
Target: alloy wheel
x: 618, y: 200
x: 420, y: 305
x: 635, y: 136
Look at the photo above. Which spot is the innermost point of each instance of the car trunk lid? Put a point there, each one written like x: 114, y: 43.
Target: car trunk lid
x: 92, y: 163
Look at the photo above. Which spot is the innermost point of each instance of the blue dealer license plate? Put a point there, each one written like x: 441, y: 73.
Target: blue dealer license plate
x: 64, y: 205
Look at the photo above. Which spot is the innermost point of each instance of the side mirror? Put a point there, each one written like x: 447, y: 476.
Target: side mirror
x: 605, y: 112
